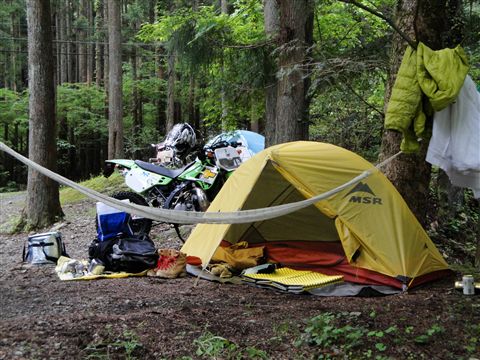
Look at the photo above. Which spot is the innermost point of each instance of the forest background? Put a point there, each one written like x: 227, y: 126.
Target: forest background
x: 214, y: 64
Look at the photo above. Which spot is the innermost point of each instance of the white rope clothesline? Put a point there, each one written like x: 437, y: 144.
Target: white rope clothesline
x: 192, y: 217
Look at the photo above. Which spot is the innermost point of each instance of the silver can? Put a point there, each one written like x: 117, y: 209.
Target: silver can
x: 468, y: 285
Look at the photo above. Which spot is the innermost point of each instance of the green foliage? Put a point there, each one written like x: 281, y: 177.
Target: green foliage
x: 10, y: 186
x: 83, y: 107
x: 454, y: 221
x: 220, y: 50
x: 13, y: 111
x: 342, y: 27
x: 322, y: 332
x: 473, y: 345
x: 329, y: 336
x: 429, y: 334
x: 209, y: 345
x: 342, y: 117
x: 126, y: 345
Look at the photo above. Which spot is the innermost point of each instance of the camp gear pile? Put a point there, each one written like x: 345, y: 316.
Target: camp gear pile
x: 117, y: 247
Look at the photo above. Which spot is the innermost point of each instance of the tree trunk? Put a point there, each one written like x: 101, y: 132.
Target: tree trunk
x: 427, y: 21
x: 170, y: 92
x: 291, y: 109
x: 15, y: 34
x: 115, y: 102
x: 89, y: 47
x: 63, y: 46
x: 191, y: 99
x: 477, y: 253
x: 70, y: 46
x: 43, y: 204
x: 135, y: 96
x: 254, y: 123
x: 224, y: 8
x: 161, y: 103
x: 99, y: 46
x: 177, y: 112
x: 72, y: 153
x: 223, y: 95
x: 106, y: 60
x: 272, y: 30
x: 17, y: 147
x: 82, y: 48
x: 7, y: 160
x: 56, y: 47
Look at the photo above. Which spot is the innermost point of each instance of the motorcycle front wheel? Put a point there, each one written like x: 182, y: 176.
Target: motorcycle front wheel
x: 139, y: 225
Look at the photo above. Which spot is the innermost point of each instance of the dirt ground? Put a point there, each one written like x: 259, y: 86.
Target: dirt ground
x: 42, y: 317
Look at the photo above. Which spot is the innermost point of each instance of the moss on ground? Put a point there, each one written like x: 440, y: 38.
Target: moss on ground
x: 99, y: 183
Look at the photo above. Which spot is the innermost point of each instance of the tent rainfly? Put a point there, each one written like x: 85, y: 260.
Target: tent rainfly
x: 366, y: 233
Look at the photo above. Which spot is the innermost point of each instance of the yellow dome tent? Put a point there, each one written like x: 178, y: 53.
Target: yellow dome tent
x: 366, y: 233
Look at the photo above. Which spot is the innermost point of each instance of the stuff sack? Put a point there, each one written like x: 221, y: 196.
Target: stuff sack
x: 111, y: 222
x: 130, y: 254
x: 44, y: 248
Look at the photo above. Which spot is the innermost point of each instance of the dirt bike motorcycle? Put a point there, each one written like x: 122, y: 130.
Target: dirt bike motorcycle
x: 191, y: 187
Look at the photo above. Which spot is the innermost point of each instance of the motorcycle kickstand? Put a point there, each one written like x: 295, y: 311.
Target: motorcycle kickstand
x: 177, y: 229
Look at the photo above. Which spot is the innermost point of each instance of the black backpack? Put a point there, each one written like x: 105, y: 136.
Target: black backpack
x: 125, y: 253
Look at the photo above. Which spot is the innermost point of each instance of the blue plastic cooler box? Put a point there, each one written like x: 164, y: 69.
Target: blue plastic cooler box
x: 111, y: 222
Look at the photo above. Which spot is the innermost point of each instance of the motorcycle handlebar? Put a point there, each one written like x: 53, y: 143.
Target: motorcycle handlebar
x: 222, y: 144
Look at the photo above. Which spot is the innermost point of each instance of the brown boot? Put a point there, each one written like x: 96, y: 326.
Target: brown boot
x: 171, y: 264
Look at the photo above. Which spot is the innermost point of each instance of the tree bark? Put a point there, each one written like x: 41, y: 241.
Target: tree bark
x: 477, y: 253
x: 170, y: 92
x: 7, y: 160
x: 56, y: 47
x: 272, y: 30
x: 17, y: 147
x: 223, y: 95
x: 43, y: 204
x: 135, y: 95
x: 99, y: 24
x: 425, y: 21
x: 15, y: 34
x: 191, y: 99
x: 254, y: 121
x: 63, y: 45
x: 224, y: 7
x: 70, y: 47
x: 106, y: 60
x: 105, y: 47
x: 81, y: 46
x: 90, y: 50
x: 115, y: 102
x: 292, y: 107
x: 161, y: 103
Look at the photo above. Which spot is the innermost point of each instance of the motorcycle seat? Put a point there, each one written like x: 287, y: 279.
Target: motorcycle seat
x: 160, y: 170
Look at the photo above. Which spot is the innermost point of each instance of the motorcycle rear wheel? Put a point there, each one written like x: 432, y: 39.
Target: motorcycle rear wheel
x: 138, y: 225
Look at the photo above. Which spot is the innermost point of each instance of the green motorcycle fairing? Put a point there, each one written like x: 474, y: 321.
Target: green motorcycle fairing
x: 200, y: 173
